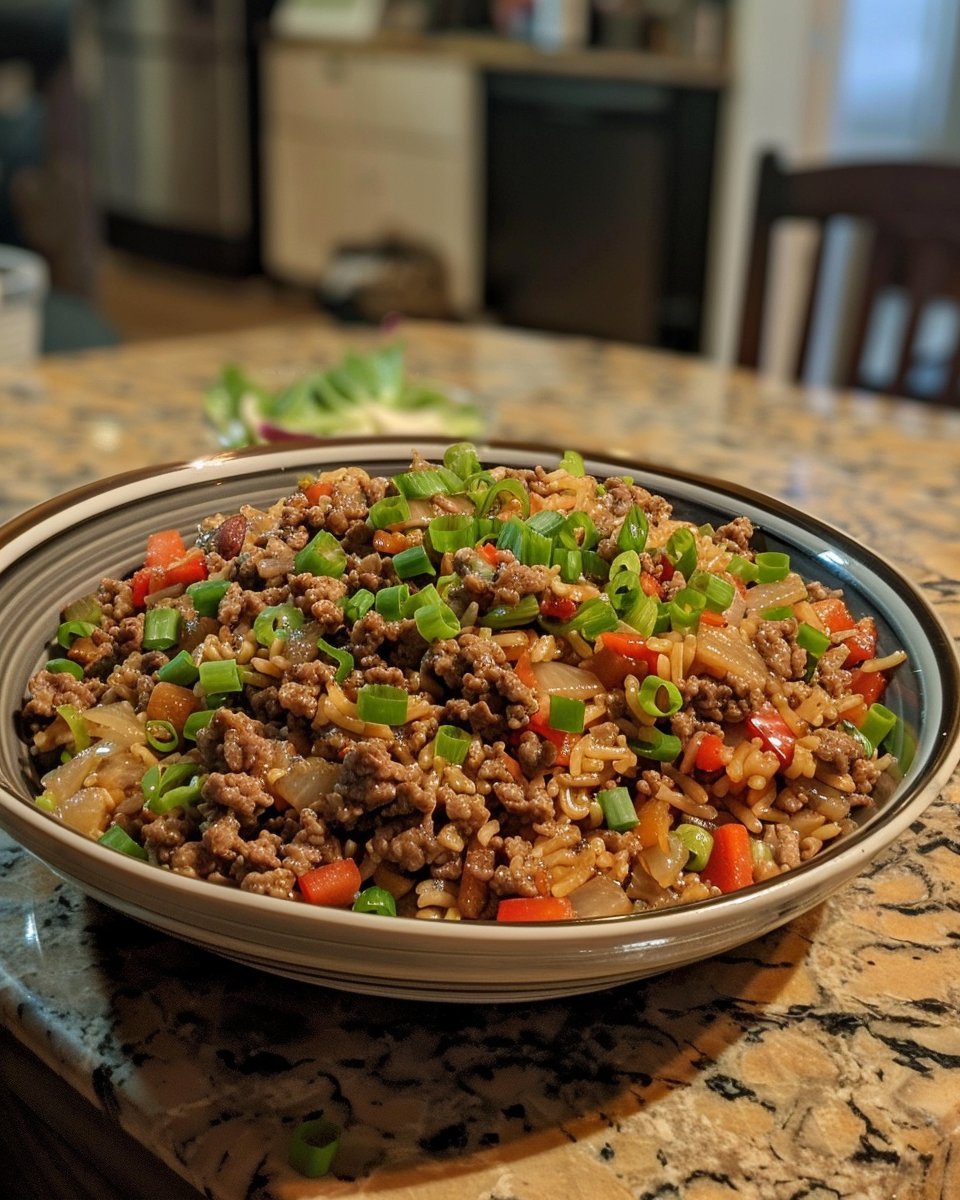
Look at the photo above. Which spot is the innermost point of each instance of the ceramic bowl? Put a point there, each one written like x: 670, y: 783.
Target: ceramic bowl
x: 61, y: 550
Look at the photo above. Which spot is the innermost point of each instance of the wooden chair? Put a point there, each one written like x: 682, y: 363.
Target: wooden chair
x: 913, y: 212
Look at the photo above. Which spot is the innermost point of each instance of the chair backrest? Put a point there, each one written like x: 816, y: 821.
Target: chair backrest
x: 912, y: 210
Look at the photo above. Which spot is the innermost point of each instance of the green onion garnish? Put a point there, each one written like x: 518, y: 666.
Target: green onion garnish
x: 743, y: 569
x: 343, y: 659
x: 512, y: 537
x: 69, y: 631
x: 382, y: 704
x: 699, y: 843
x: 162, y: 781
x: 421, y: 485
x: 593, y: 617
x: 322, y: 555
x: 578, y: 532
x: 77, y: 726
x: 778, y: 612
x: 57, y: 666
x: 659, y: 697
x: 390, y: 601
x: 619, y: 813
x: 162, y: 736
x: 453, y: 531
x: 634, y: 530
x: 511, y: 616
x: 161, y: 628
x: 595, y: 567
x: 812, y: 640
x: 436, y: 622
x: 642, y: 616
x: 511, y: 487
x: 418, y: 599
x: 653, y: 743
x: 685, y: 609
x: 718, y: 592
x: 376, y: 900
x: 570, y: 563
x: 85, y: 609
x: 357, y: 605
x: 197, y: 721
x: 876, y: 724
x: 412, y: 562
x: 391, y: 510
x: 547, y: 521
x: 116, y: 838
x: 452, y: 744
x: 207, y: 594
x: 662, y: 622
x: 566, y: 714
x: 219, y: 676
x: 46, y: 802
x: 276, y: 621
x: 313, y: 1147
x: 461, y: 458
x: 181, y: 670
x: 572, y: 463
x: 681, y: 550
x: 772, y: 566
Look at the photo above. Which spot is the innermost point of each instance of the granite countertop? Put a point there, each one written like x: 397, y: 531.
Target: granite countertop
x: 822, y: 1060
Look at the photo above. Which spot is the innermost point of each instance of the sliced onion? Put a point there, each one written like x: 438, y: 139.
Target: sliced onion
x: 665, y: 868
x: 734, y: 611
x: 86, y: 810
x: 69, y: 778
x: 306, y: 781
x: 116, y: 721
x: 775, y: 595
x: 722, y: 651
x: 600, y: 897
x: 562, y: 679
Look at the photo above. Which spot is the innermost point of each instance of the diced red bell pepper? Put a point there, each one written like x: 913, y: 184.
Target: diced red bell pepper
x: 711, y: 753
x: 334, y: 885
x: 191, y: 567
x: 666, y: 568
x: 564, y: 742
x: 773, y: 731
x: 535, y: 908
x: 560, y: 607
x: 730, y: 866
x: 834, y: 614
x: 862, y: 644
x: 631, y: 645
x: 490, y: 552
x: 870, y: 686
x: 651, y: 585
x: 524, y: 671
x: 163, y: 548
x: 313, y: 491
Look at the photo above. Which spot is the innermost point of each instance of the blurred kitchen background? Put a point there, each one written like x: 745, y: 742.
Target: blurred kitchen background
x: 579, y: 166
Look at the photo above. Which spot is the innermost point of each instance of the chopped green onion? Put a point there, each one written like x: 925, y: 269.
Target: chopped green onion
x: 547, y: 521
x: 623, y: 588
x: 812, y: 640
x: 116, y: 838
x: 595, y: 567
x: 313, y: 1147
x: 207, y: 594
x: 876, y: 724
x: 653, y: 743
x: 634, y: 530
x: 69, y: 631
x: 391, y: 510
x: 161, y: 628
x: 420, y: 598
x: 421, y: 485
x: 718, y: 592
x: 46, y: 802
x: 659, y: 697
x: 177, y: 780
x: 760, y: 852
x: 566, y: 714
x: 578, y: 532
x: 436, y: 622
x: 276, y: 621
x: 177, y: 797
x: 772, y: 566
x: 453, y: 531
x: 77, y: 726
x: 162, y: 736
x: 706, y: 530
x: 452, y: 744
x: 382, y: 704
x: 699, y: 843
x: 537, y: 548
x: 593, y: 617
x: 66, y: 666
x: 618, y: 809
x: 570, y: 563
x: 376, y: 900
x: 681, y: 550
x: 84, y: 609
x: 343, y: 659
x: 685, y: 609
x: 197, y: 721
x: 411, y: 562
x: 357, y: 605
x: 572, y: 463
x: 662, y: 622
x: 626, y: 560
x: 461, y: 458
x: 181, y: 670
x: 219, y: 676
x: 511, y: 616
x: 390, y: 601
x: 743, y: 569
x: 511, y: 487
x: 778, y: 612
x: 512, y: 537
x: 322, y: 555
x: 643, y: 615
x: 901, y: 742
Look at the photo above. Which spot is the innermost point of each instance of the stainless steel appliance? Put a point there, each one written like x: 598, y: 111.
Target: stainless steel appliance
x: 175, y: 116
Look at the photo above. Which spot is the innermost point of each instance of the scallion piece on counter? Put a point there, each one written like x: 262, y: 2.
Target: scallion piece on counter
x: 412, y: 562
x: 511, y: 616
x: 659, y: 697
x: 382, y: 704
x: 634, y: 530
x: 376, y: 900
x: 499, y: 491
x: 436, y: 622
x: 653, y: 743
x: 698, y: 842
x: 876, y: 724
x: 197, y: 721
x: 618, y: 809
x: 452, y: 744
x: 566, y: 714
x: 772, y: 566
x: 685, y: 609
x: 681, y: 550
x: 453, y: 531
x: 76, y: 724
x: 572, y: 463
x: 66, y: 666
x: 276, y: 621
x: 461, y: 458
x: 343, y: 659
x: 69, y: 631
x: 390, y: 601
x: 162, y: 736
x: 116, y: 838
x: 391, y: 510
x: 322, y: 555
x: 219, y: 676
x: 207, y: 594
x: 181, y: 670
x: 161, y: 628
x: 357, y: 605
x: 313, y: 1147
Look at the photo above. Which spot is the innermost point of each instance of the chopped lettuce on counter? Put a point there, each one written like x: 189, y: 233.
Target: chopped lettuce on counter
x: 362, y: 394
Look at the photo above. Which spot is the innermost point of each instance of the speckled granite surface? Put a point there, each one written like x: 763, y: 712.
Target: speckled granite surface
x: 822, y: 1060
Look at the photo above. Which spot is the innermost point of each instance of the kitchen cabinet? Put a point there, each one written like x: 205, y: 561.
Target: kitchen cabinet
x: 357, y: 148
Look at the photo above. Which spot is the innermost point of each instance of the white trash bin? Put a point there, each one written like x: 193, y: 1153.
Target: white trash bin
x: 24, y: 280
